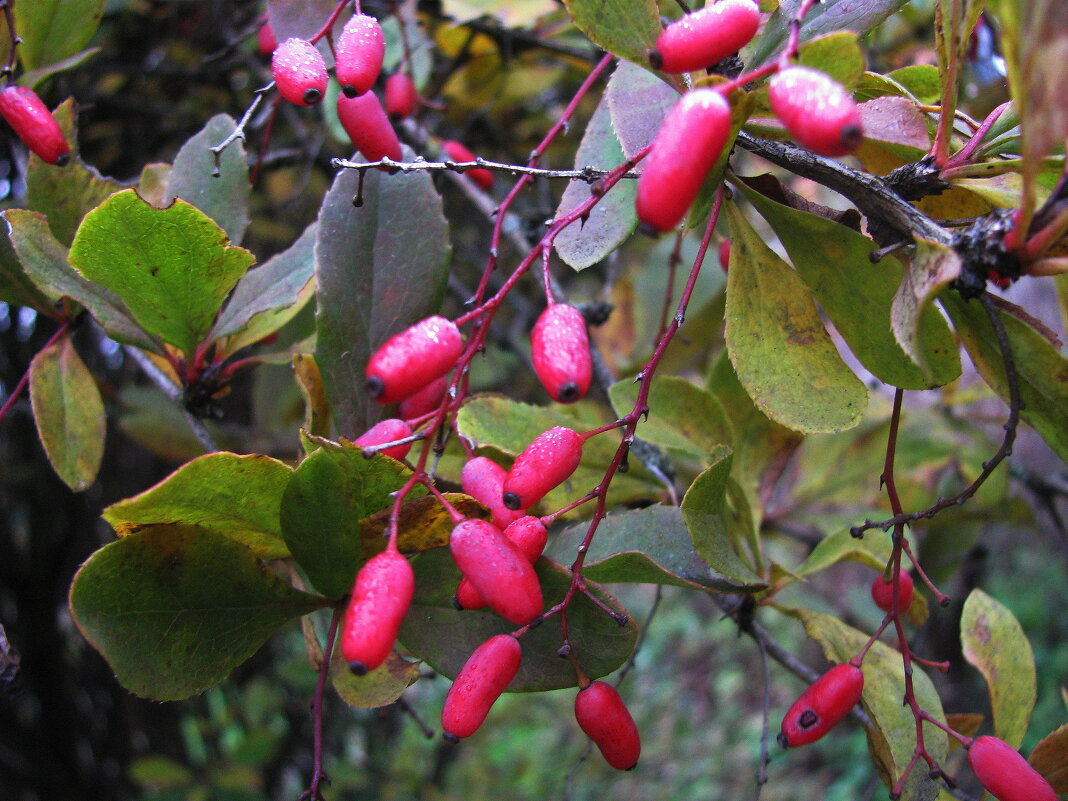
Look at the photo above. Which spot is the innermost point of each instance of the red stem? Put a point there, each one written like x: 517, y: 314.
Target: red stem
x: 313, y: 793
x: 323, y: 31
x: 62, y: 331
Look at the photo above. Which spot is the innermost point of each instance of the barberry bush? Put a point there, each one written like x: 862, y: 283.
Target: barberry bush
x: 413, y: 468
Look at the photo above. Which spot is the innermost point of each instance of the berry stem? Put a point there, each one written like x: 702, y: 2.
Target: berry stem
x: 323, y: 31
x: 20, y: 387
x: 963, y: 156
x: 314, y: 793
x: 8, y: 7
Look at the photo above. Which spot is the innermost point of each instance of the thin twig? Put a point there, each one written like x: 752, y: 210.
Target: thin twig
x: 587, y: 174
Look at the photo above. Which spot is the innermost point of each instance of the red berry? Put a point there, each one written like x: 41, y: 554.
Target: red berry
x: 387, y: 431
x: 458, y: 152
x: 368, y: 127
x: 882, y: 591
x: 407, y: 362
x: 265, y: 39
x: 601, y: 713
x: 483, y: 480
x: 358, y: 54
x: 546, y: 463
x: 34, y: 124
x: 560, y: 348
x: 425, y: 401
x: 467, y: 596
x: 725, y: 254
x: 400, y: 95
x: 1005, y: 774
x: 499, y: 570
x: 688, y: 143
x: 299, y: 72
x: 822, y: 706
x: 817, y: 111
x: 380, y: 598
x: 529, y: 535
x: 485, y: 675
x: 706, y: 36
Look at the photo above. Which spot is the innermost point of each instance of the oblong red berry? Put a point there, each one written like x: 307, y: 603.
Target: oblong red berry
x: 400, y: 95
x: 458, y: 152
x: 689, y: 141
x: 1005, y: 774
x: 819, y: 112
x: 406, y: 362
x: 389, y: 430
x: 498, y: 569
x: 483, y: 479
x: 485, y: 675
x: 358, y: 54
x: 706, y: 36
x: 822, y: 706
x: 467, y: 595
x: 368, y: 127
x: 882, y: 591
x: 380, y: 598
x: 425, y: 401
x: 299, y: 72
x: 604, y: 717
x: 266, y: 42
x: 725, y: 254
x: 560, y: 350
x: 529, y: 535
x: 34, y: 124
x: 546, y: 463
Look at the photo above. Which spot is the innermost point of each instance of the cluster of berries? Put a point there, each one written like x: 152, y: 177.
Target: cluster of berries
x: 300, y: 73
x: 495, y: 557
x: 818, y: 112
x: 34, y: 124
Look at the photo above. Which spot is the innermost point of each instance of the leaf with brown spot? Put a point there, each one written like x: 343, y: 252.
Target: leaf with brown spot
x: 424, y: 523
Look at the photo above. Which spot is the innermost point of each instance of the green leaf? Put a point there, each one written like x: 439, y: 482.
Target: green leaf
x: 66, y: 195
x: 644, y: 546
x: 627, y: 28
x: 1042, y: 370
x: 238, y: 496
x: 996, y: 645
x: 172, y: 267
x: 379, y: 687
x: 16, y: 287
x: 761, y: 446
x: 684, y: 419
x: 68, y: 412
x: 329, y: 493
x: 873, y: 550
x: 1050, y: 758
x: 510, y: 426
x: 32, y: 78
x: 269, y: 296
x: 857, y: 295
x: 707, y: 518
x: 444, y: 638
x: 781, y: 352
x: 380, y: 268
x: 223, y: 197
x: 921, y: 80
x: 613, y: 219
x: 52, y: 30
x: 175, y: 608
x: 932, y: 268
x: 45, y: 261
x: 892, y: 737
x: 638, y: 101
x: 825, y: 17
x: 837, y: 55
x: 895, y: 130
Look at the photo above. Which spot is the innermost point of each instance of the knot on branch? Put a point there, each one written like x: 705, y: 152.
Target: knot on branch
x: 731, y: 67
x: 981, y: 247
x: 917, y: 180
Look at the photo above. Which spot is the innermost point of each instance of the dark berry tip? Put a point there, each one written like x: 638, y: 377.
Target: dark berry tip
x: 349, y: 90
x: 782, y: 740
x: 648, y: 230
x: 312, y: 96
x: 449, y: 737
x: 632, y: 767
x: 459, y: 607
x: 851, y: 136
x: 656, y: 61
x: 511, y: 501
x: 568, y: 393
x: 374, y: 386
x: 358, y: 668
x: 62, y: 160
